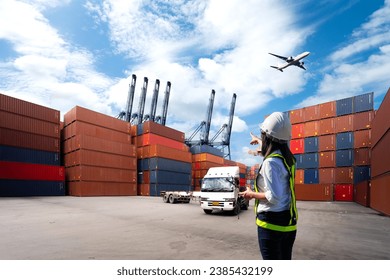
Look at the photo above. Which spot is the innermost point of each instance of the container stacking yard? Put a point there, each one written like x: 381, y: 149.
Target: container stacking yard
x: 341, y: 149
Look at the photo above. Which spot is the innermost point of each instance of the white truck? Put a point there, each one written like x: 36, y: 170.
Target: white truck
x: 220, y: 190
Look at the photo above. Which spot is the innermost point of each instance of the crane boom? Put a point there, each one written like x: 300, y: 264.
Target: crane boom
x: 209, y: 113
x: 165, y: 103
x: 130, y: 98
x: 154, y: 100
x: 141, y: 106
x: 226, y: 136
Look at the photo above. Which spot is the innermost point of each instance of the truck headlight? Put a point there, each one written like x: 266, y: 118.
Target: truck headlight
x: 204, y: 198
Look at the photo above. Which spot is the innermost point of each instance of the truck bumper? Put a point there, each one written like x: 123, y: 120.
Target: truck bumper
x: 217, y: 205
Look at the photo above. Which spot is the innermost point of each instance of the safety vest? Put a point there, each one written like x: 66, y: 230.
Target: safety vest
x: 293, y: 208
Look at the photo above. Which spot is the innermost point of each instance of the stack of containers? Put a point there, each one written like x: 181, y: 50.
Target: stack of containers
x: 164, y: 160
x: 380, y: 162
x: 99, y: 157
x: 29, y: 149
x: 331, y: 141
x: 201, y: 162
x: 242, y: 170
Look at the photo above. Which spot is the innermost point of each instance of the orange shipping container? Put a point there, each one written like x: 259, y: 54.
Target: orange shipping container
x: 326, y: 175
x: 363, y: 120
x: 143, y: 189
x: 343, y: 175
x: 361, y: 193
x: 102, y: 174
x: 208, y: 157
x: 314, y: 192
x: 299, y: 176
x: 380, y: 162
x: 380, y: 124
x: 362, y: 138
x: 297, y: 116
x: 86, y: 188
x: 311, y: 128
x: 362, y: 156
x: 326, y: 126
x: 163, y: 152
x: 154, y: 139
x: 311, y: 113
x: 344, y: 123
x: 78, y: 113
x: 327, y: 109
x: 204, y: 165
x: 162, y: 130
x: 327, y: 143
x: 380, y: 193
x: 327, y: 159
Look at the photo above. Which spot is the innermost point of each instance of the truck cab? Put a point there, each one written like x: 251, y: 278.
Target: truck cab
x: 220, y: 190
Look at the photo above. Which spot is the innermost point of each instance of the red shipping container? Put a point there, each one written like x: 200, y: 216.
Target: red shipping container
x: 362, y: 156
x: 363, y: 120
x: 311, y: 113
x: 314, y: 192
x: 208, y: 157
x: 30, y: 171
x: 362, y: 138
x: 326, y: 175
x: 380, y: 193
x: 344, y: 123
x: 327, y: 159
x: 327, y: 143
x: 343, y: 192
x: 380, y: 162
x: 297, y: 146
x: 380, y: 124
x: 143, y: 189
x: 361, y: 193
x: 297, y: 116
x: 327, y: 109
x: 154, y: 139
x: 297, y: 131
x: 343, y: 175
x: 92, y: 188
x: 326, y: 126
x: 162, y: 130
x: 299, y: 176
x: 164, y: 152
x: 311, y: 128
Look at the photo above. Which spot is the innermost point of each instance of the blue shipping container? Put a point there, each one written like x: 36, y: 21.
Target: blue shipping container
x: 299, y: 161
x: 156, y: 189
x: 31, y: 188
x: 344, y: 140
x: 168, y: 177
x: 361, y: 173
x: 310, y: 160
x: 311, y: 144
x: 364, y: 102
x: 344, y: 106
x: 157, y: 163
x: 199, y: 149
x: 16, y: 154
x: 310, y: 176
x: 344, y: 158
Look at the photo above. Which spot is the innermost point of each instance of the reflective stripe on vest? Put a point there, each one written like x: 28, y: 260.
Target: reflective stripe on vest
x: 293, y: 208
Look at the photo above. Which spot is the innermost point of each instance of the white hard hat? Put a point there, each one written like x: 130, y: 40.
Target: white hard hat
x: 277, y: 126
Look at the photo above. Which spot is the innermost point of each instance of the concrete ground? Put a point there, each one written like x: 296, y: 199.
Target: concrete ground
x: 145, y: 228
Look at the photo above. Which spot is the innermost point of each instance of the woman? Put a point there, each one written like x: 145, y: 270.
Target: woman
x: 274, y: 194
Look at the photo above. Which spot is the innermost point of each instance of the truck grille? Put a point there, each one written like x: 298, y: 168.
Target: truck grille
x: 215, y: 203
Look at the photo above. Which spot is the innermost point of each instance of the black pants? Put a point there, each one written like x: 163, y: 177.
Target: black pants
x: 276, y: 245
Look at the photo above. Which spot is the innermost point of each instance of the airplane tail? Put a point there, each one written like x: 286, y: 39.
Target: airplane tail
x: 277, y: 68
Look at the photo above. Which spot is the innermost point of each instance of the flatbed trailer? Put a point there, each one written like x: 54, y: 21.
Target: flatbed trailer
x: 179, y: 196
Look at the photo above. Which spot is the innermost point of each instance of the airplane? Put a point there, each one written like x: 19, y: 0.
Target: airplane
x: 291, y: 61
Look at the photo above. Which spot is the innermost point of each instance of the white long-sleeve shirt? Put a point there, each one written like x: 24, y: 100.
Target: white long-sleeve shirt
x: 273, y: 180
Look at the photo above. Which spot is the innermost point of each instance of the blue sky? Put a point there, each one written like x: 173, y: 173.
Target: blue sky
x: 63, y: 53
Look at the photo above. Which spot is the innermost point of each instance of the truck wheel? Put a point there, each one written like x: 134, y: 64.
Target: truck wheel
x: 171, y: 199
x: 165, y: 198
x: 207, y: 211
x: 244, y: 204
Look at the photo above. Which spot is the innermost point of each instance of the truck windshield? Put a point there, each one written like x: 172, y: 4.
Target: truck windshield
x: 217, y: 185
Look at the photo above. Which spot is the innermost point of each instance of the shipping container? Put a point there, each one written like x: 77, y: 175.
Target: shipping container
x: 344, y: 157
x: 327, y: 126
x: 78, y: 113
x: 311, y: 128
x: 143, y: 189
x: 311, y: 113
x: 309, y: 160
x: 326, y: 175
x: 169, y: 153
x: 311, y: 176
x: 156, y: 189
x: 361, y: 173
x: 327, y: 159
x: 380, y: 162
x: 380, y: 193
x: 343, y: 175
x: 361, y: 193
x: 344, y: 140
x: 157, y: 163
x: 314, y: 192
x: 380, y: 124
x: 24, y: 108
x: 199, y: 149
x: 311, y: 144
x: 10, y: 137
x: 297, y: 131
x: 208, y: 157
x: 297, y: 146
x: 159, y: 129
x: 297, y: 116
x: 14, y: 187
x: 362, y: 156
x: 96, y: 188
x: 363, y: 102
x: 101, y: 174
x: 299, y: 164
x: 102, y: 159
x: 9, y: 153
x: 362, y: 138
x: 343, y: 192
x: 205, y: 165
x: 327, y: 143
x: 28, y: 124
x: 154, y: 139
x: 344, y: 106
x: 327, y: 110
x: 363, y: 120
x: 31, y: 171
x: 344, y: 123
x: 299, y: 176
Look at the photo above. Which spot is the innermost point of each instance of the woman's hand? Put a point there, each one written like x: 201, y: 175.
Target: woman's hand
x: 248, y: 194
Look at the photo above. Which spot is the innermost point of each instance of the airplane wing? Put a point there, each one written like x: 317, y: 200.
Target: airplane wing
x: 300, y: 66
x: 279, y: 56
